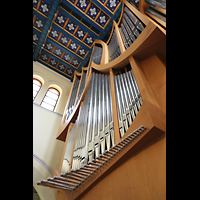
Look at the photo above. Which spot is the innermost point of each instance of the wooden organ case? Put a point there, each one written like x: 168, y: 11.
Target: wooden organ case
x: 116, y: 106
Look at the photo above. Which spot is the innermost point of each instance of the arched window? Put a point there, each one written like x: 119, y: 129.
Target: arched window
x: 51, y: 98
x: 36, y: 87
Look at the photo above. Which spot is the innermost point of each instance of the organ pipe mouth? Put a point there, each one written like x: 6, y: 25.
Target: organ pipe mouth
x: 96, y: 145
x: 101, y: 139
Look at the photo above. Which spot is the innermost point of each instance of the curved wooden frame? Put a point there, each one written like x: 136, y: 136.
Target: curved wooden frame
x: 149, y: 42
x: 61, y: 135
x: 105, y: 53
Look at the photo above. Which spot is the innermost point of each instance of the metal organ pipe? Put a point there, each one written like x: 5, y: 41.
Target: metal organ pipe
x: 94, y: 125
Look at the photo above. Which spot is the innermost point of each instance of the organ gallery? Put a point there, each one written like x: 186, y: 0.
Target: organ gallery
x: 115, y: 115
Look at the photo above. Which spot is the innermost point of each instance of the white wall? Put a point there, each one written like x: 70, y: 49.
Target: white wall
x: 51, y: 78
x: 45, y: 126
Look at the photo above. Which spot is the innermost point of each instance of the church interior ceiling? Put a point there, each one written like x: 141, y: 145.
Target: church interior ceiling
x: 64, y: 31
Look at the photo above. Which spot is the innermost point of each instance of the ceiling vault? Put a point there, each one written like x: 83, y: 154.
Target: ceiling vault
x: 64, y: 31
x: 47, y: 25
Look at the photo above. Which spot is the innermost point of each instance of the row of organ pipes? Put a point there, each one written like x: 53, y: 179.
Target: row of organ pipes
x: 94, y: 124
x: 128, y: 99
x: 97, y: 54
x: 130, y: 28
x: 79, y: 85
x: 91, y: 134
x: 113, y: 47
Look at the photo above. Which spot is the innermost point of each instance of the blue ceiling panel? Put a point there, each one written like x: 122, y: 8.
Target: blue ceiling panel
x: 112, y: 4
x: 49, y: 46
x: 61, y: 67
x: 39, y: 23
x: 82, y: 52
x: 102, y: 1
x: 73, y: 1
x: 102, y: 19
x: 93, y: 11
x: 44, y: 57
x: 47, y: 25
x: 68, y: 36
x: 60, y: 19
x: 58, y: 52
x: 67, y: 57
x: 64, y: 40
x: 80, y: 33
x: 71, y: 27
x: 53, y: 62
x: 75, y: 62
x: 69, y: 72
x: 82, y: 14
x: 35, y: 2
x: 73, y: 46
x: 83, y: 4
x: 89, y: 40
x: 64, y: 31
x: 54, y: 33
x: 36, y: 36
x: 44, y: 8
x: 103, y: 7
x: 56, y: 45
x: 78, y: 22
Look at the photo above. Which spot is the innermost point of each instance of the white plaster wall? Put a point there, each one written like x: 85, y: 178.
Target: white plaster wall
x: 45, y: 127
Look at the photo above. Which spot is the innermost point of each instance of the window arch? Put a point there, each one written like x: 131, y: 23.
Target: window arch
x: 50, y: 99
x: 37, y: 84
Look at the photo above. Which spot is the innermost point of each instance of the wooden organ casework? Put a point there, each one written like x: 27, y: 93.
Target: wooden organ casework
x: 116, y: 105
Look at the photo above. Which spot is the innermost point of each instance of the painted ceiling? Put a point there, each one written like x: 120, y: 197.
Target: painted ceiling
x: 64, y: 31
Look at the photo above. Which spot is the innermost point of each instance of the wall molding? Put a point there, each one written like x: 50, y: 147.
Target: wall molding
x: 39, y: 160
x: 55, y: 113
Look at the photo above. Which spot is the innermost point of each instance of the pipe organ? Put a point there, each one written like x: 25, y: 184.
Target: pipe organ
x: 79, y: 84
x: 113, y: 47
x: 112, y: 110
x: 96, y: 58
x: 130, y: 27
x: 128, y: 99
x: 94, y: 131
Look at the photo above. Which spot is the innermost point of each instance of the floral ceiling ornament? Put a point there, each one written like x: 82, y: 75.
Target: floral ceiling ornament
x: 71, y: 27
x: 44, y: 8
x: 60, y: 19
x: 93, y: 11
x: 83, y: 4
